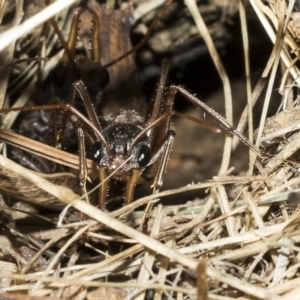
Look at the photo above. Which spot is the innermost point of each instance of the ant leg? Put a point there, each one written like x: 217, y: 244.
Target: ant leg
x: 157, y: 102
x: 57, y: 137
x: 95, y: 41
x: 82, y: 163
x: 222, y: 122
x: 79, y: 86
x: 158, y: 134
x: 69, y: 46
x: 59, y: 130
x: 130, y: 185
x: 158, y: 181
x: 63, y: 107
x: 129, y: 190
x: 167, y: 146
x: 59, y: 133
x: 103, y: 188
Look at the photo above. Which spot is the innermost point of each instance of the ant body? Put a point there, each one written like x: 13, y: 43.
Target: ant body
x: 127, y: 147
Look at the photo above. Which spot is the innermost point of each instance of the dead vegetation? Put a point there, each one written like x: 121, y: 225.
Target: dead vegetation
x: 239, y: 242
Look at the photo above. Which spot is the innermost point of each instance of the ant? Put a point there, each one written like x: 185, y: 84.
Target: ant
x: 128, y: 147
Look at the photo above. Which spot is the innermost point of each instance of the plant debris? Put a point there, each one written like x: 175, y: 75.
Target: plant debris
x: 240, y: 241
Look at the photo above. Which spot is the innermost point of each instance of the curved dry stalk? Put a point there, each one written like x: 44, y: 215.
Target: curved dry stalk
x: 6, y: 56
x: 191, y: 4
x: 43, y: 150
x: 274, y: 62
x: 224, y: 203
x: 245, y: 37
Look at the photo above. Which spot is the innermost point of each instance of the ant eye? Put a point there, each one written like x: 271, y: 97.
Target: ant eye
x: 144, y: 156
x: 96, y: 152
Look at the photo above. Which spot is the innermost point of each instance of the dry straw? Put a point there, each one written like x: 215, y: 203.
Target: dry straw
x: 244, y: 237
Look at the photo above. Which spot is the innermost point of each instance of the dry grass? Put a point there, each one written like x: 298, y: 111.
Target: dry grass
x: 242, y: 242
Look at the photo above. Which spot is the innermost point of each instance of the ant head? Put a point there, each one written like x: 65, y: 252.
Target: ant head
x: 122, y: 155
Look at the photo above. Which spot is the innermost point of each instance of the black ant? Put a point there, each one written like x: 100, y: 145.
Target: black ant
x: 127, y: 147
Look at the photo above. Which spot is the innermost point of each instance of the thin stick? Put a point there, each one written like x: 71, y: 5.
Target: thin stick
x: 191, y: 4
x: 277, y: 51
x: 257, y: 4
x: 225, y: 80
x: 248, y: 80
x: 61, y: 251
x: 247, y: 237
x: 15, y: 33
x: 202, y: 282
x: 7, y: 55
x: 243, y: 119
x: 43, y: 150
